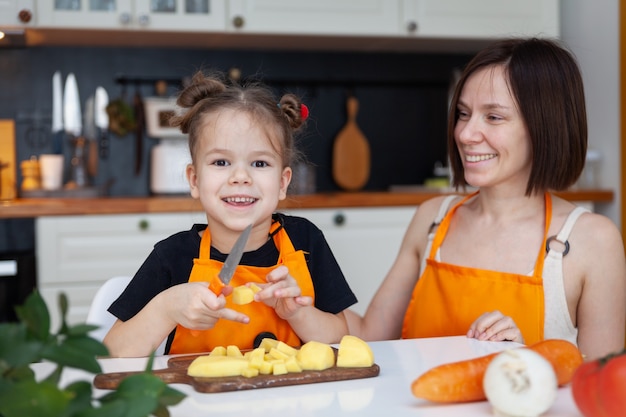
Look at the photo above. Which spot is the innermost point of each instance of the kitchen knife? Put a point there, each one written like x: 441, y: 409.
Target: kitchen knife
x: 72, y: 119
x: 57, y: 114
x: 223, y: 278
x: 90, y: 137
x: 102, y: 120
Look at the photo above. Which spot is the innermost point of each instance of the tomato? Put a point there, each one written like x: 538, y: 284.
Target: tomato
x: 598, y: 386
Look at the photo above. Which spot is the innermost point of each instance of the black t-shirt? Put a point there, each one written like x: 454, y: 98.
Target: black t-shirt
x: 171, y: 261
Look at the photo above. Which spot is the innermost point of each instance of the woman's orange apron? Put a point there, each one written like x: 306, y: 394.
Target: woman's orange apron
x: 449, y: 298
x: 262, y: 317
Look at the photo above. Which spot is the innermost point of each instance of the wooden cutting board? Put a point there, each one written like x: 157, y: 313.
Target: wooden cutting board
x: 351, y: 152
x: 176, y: 373
x: 8, y: 163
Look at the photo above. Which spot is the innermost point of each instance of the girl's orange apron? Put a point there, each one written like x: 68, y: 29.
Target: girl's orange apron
x: 449, y: 298
x: 262, y: 317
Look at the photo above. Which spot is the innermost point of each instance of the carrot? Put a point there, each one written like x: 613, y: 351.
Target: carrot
x: 463, y: 381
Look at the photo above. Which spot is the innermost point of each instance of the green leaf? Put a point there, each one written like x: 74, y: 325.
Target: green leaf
x: 29, y: 398
x: 81, y: 397
x: 15, y: 348
x: 81, y: 329
x: 112, y: 409
x: 34, y: 314
x: 68, y: 354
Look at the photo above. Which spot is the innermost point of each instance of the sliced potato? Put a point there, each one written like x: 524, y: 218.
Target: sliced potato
x: 215, y: 366
x: 315, y: 356
x: 354, y: 353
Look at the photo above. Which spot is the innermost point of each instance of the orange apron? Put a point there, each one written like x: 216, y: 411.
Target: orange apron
x: 262, y: 317
x: 447, y: 298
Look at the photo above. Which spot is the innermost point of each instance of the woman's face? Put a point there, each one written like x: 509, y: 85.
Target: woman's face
x: 237, y: 175
x: 490, y: 134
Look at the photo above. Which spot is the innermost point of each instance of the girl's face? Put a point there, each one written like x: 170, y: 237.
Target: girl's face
x: 237, y: 175
x: 490, y: 133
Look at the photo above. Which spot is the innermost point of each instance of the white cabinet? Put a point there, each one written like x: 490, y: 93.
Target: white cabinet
x: 17, y: 13
x: 165, y: 15
x: 319, y: 17
x: 76, y: 254
x: 365, y: 242
x: 479, y: 19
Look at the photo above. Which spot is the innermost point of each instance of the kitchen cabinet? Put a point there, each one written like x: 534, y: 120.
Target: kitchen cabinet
x: 77, y: 254
x: 479, y: 19
x: 164, y: 15
x: 321, y: 17
x: 17, y: 13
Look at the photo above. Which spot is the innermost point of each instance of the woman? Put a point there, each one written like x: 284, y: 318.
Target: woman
x: 510, y: 261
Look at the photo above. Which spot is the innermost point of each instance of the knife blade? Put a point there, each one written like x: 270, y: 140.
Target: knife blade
x: 72, y: 118
x: 102, y: 120
x: 91, y: 137
x: 223, y: 278
x: 57, y: 114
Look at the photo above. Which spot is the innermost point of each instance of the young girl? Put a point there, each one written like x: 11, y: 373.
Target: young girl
x: 241, y: 143
x: 511, y: 261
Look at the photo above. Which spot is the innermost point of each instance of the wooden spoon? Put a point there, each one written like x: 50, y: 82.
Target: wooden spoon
x: 351, y: 152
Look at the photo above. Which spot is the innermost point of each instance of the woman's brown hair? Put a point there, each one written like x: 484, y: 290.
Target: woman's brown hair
x: 546, y: 83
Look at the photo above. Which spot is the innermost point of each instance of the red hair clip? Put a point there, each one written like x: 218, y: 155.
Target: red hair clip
x: 304, y: 111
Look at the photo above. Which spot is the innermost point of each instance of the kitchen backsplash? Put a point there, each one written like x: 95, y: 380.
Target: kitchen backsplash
x: 402, y: 102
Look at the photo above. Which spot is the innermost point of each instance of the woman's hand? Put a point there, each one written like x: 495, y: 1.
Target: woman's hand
x: 282, y: 293
x: 194, y: 306
x: 495, y: 326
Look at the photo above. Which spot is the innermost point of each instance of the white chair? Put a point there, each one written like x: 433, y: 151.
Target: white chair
x: 98, y: 311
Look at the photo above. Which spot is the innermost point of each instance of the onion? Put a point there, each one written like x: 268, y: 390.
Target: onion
x: 520, y: 383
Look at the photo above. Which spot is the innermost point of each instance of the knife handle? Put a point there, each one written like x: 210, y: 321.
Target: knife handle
x: 216, y: 285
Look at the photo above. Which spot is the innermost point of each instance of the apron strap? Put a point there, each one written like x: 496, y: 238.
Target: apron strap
x: 565, y: 231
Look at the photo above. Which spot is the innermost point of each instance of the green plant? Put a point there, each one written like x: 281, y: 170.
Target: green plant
x: 30, y: 340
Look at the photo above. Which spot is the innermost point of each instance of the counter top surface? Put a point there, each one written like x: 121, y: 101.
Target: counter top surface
x: 36, y: 207
x: 400, y: 361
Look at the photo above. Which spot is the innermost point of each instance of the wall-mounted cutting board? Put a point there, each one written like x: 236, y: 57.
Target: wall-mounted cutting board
x: 351, y: 152
x: 176, y: 373
x: 8, y: 169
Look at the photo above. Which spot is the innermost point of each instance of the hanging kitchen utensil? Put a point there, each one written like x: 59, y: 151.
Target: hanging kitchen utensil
x: 139, y: 126
x: 72, y: 119
x: 121, y: 116
x: 351, y: 152
x: 102, y: 121
x: 57, y: 114
x: 91, y: 137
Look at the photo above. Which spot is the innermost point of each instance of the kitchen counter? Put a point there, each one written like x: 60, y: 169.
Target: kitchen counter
x: 36, y: 207
x: 400, y: 361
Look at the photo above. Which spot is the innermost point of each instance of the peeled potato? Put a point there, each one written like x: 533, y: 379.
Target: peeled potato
x: 315, y: 356
x: 214, y: 366
x: 354, y: 353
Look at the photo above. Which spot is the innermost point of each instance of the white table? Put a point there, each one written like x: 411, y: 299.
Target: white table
x: 400, y: 361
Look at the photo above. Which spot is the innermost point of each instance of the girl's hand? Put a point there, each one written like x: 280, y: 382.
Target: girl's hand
x: 495, y: 326
x: 194, y: 306
x: 282, y: 293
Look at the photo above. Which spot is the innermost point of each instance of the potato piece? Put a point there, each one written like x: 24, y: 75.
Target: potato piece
x: 255, y: 288
x: 315, y: 356
x: 268, y: 343
x: 250, y: 372
x: 354, y: 353
x: 218, y: 351
x: 233, y: 351
x: 292, y: 364
x: 279, y: 368
x: 277, y: 354
x: 286, y: 349
x: 266, y: 368
x: 216, y: 366
x: 243, y: 295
